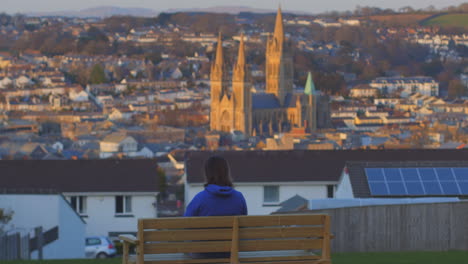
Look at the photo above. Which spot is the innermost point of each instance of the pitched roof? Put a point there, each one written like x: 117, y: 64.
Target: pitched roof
x: 265, y: 101
x: 358, y: 176
x: 306, y: 165
x: 24, y: 176
x: 115, y: 137
x: 294, y: 203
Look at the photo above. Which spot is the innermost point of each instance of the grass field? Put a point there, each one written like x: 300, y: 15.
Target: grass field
x: 453, y: 257
x: 458, y: 20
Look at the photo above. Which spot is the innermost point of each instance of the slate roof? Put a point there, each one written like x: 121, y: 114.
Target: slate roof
x: 290, y: 100
x: 358, y: 177
x: 264, y: 101
x: 306, y: 165
x: 294, y: 203
x: 28, y: 176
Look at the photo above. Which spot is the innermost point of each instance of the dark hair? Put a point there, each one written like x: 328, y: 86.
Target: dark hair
x: 217, y: 171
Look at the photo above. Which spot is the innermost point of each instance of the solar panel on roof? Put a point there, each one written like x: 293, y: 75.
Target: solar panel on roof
x: 417, y: 181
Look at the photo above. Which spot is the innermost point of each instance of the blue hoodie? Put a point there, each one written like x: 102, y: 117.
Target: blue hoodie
x: 217, y: 201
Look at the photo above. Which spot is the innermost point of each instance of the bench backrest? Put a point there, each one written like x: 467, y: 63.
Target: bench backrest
x: 234, y: 234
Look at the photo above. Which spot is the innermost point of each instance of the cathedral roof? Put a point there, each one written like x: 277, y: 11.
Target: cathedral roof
x: 265, y: 101
x: 290, y: 100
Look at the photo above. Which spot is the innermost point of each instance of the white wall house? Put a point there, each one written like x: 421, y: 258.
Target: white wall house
x: 266, y: 178
x: 109, y: 195
x: 269, y: 178
x: 264, y: 198
x: 110, y: 214
x: 118, y: 143
x: 48, y: 211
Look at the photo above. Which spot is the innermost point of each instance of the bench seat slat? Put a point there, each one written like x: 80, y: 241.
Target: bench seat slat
x: 319, y: 261
x: 226, y: 234
x: 181, y: 235
x: 225, y: 246
x: 178, y: 258
x: 194, y: 222
x: 280, y: 220
x: 244, y: 257
x: 187, y: 247
x: 284, y: 244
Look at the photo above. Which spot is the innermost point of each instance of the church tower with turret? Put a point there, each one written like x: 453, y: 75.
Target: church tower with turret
x: 279, y: 63
x: 242, y: 94
x: 218, y: 85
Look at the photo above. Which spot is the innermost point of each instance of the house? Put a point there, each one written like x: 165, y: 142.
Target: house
x: 109, y: 195
x: 363, y: 91
x: 117, y: 143
x: 33, y: 208
x: 268, y: 178
x: 415, y: 173
x: 407, y: 85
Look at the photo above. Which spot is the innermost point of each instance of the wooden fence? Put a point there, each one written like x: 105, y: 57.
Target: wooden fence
x: 14, y: 247
x: 407, y: 227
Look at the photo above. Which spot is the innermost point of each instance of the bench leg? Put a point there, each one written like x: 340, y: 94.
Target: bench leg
x: 125, y: 250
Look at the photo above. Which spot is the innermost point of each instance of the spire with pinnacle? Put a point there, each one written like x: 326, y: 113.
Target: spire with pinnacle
x: 310, y: 86
x: 219, y: 52
x: 279, y: 31
x: 241, y: 56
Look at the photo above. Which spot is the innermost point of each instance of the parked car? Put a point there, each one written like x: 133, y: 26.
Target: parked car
x: 99, y: 247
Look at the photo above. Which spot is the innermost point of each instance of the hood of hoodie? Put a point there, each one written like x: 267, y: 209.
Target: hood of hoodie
x: 219, y: 190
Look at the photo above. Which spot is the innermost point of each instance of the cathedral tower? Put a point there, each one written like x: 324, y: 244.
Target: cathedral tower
x: 279, y: 63
x: 218, y: 84
x: 242, y: 94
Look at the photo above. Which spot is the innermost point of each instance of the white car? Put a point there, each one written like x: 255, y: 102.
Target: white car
x: 99, y: 247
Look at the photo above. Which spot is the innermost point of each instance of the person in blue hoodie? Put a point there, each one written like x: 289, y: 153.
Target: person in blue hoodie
x: 218, y: 199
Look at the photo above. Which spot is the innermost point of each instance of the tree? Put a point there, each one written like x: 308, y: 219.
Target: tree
x: 162, y: 183
x: 97, y: 75
x: 456, y: 89
x: 5, y: 217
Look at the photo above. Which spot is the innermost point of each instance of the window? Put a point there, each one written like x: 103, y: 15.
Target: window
x: 330, y: 191
x: 123, y: 204
x: 271, y: 194
x: 93, y: 241
x: 78, y: 203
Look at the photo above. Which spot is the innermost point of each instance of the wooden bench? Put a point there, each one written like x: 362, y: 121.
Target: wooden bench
x: 249, y: 239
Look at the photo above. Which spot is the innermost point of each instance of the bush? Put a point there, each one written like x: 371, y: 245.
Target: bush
x: 119, y: 247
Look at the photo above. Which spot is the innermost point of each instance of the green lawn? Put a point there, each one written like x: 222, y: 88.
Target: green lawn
x: 454, y: 257
x: 459, y: 20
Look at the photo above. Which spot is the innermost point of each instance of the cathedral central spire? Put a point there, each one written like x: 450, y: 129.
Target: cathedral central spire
x: 279, y: 30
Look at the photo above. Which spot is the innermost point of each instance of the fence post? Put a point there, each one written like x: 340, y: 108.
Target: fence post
x: 40, y: 241
x: 18, y: 246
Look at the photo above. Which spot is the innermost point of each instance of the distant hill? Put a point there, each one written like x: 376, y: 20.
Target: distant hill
x: 456, y: 20
x: 222, y: 9
x: 107, y: 11
x: 399, y: 19
x: 101, y: 11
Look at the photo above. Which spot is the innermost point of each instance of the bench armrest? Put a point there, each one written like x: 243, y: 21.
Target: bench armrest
x: 129, y: 238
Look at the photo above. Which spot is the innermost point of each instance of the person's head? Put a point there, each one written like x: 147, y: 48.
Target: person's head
x: 217, y: 172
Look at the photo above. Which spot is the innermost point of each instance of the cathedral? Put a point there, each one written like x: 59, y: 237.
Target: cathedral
x: 234, y: 107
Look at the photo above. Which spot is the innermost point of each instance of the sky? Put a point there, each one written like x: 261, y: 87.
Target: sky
x: 311, y: 6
